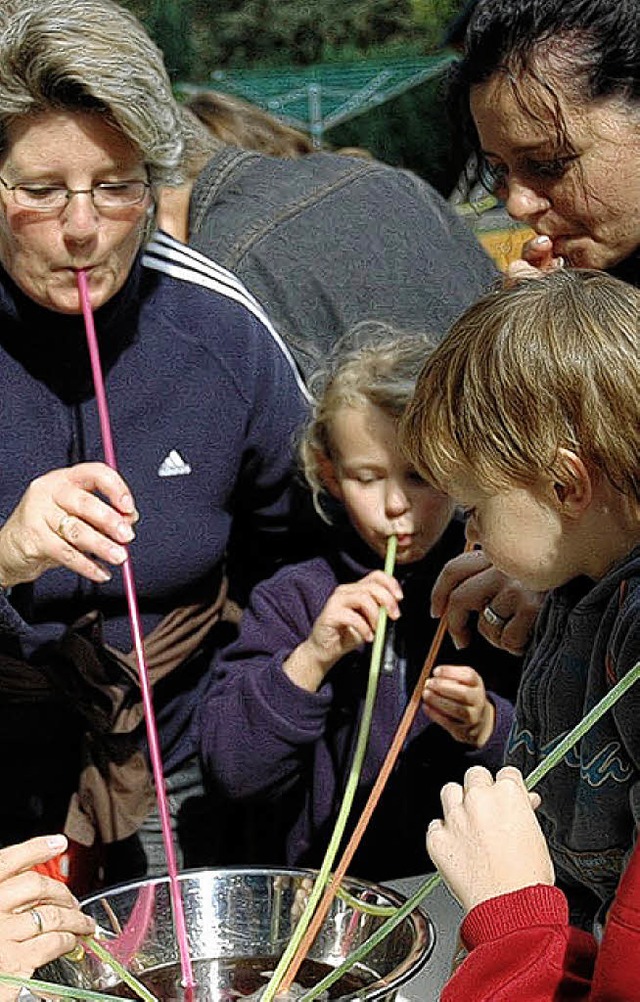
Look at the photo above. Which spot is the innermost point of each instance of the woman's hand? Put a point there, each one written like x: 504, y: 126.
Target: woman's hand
x: 537, y: 258
x: 489, y: 842
x: 469, y: 583
x: 77, y: 517
x: 455, y: 698
x: 39, y: 918
x: 348, y: 619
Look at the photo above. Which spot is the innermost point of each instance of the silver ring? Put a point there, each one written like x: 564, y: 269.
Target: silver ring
x: 37, y: 918
x: 62, y: 525
x: 492, y: 617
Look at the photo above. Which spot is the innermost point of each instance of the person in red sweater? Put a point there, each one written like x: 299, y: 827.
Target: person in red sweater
x: 491, y: 852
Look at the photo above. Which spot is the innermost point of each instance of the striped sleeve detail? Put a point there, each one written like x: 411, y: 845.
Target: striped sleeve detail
x: 173, y: 258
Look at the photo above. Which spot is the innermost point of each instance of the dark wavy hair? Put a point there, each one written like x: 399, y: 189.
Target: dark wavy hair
x: 598, y: 42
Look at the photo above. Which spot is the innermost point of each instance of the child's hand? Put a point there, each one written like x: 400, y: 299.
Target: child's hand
x: 454, y: 697
x: 489, y: 842
x: 348, y: 619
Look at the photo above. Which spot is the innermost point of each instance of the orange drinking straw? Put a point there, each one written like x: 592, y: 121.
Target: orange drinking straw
x: 136, y: 633
x: 376, y: 792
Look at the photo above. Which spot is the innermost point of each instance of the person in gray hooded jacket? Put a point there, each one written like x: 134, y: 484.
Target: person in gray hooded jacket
x: 323, y: 240
x: 326, y: 241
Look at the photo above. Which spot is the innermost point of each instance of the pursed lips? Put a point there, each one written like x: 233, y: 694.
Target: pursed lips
x: 404, y: 538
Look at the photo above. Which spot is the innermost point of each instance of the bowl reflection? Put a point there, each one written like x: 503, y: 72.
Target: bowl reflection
x: 238, y: 923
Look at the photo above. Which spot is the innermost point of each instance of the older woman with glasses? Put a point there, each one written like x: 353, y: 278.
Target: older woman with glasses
x: 204, y: 402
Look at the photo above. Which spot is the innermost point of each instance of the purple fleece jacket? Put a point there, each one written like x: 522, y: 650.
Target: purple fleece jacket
x: 264, y: 740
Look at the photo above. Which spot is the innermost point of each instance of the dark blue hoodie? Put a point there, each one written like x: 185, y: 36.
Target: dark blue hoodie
x: 204, y: 402
x: 266, y: 741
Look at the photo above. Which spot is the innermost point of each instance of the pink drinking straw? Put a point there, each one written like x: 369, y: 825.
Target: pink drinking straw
x: 136, y: 633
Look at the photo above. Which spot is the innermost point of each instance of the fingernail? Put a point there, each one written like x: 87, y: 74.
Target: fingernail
x: 103, y: 575
x: 117, y: 555
x: 56, y: 841
x: 126, y: 503
x: 125, y: 533
x: 537, y: 241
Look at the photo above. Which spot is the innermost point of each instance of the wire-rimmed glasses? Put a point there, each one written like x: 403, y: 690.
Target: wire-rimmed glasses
x: 54, y: 197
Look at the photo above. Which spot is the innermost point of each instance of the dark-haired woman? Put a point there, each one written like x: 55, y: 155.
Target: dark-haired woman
x: 552, y: 92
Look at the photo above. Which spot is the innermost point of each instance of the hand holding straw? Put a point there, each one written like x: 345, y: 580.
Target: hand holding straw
x: 136, y: 632
x: 376, y: 792
x: 534, y: 777
x: 350, y: 791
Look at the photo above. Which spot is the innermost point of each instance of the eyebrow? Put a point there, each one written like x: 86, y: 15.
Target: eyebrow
x: 525, y: 148
x: 48, y: 171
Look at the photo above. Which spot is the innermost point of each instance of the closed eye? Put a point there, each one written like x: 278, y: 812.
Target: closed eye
x: 414, y: 478
x: 553, y: 168
x: 40, y: 190
x: 495, y: 175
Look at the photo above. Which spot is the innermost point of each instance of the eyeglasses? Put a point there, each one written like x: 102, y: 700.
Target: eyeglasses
x: 52, y: 197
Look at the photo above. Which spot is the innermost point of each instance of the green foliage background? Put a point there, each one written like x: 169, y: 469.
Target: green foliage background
x: 199, y: 36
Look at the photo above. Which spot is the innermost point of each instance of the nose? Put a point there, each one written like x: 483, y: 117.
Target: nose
x: 396, y: 500
x: 79, y: 216
x: 523, y: 202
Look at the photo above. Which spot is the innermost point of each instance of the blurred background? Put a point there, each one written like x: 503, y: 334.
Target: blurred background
x: 363, y: 74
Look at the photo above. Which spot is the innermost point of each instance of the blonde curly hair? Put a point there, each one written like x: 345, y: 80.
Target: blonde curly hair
x: 375, y: 364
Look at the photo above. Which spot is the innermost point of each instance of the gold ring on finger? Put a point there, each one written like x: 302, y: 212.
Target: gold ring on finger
x: 37, y: 919
x: 63, y: 525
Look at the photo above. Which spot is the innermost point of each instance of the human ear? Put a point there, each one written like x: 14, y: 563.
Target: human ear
x: 572, y: 484
x: 327, y: 475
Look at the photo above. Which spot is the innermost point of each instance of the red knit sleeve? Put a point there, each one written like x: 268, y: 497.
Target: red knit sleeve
x: 522, y: 947
x: 617, y: 974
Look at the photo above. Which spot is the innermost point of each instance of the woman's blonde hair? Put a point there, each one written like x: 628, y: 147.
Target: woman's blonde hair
x: 235, y: 122
x: 372, y: 364
x: 548, y: 363
x: 95, y: 56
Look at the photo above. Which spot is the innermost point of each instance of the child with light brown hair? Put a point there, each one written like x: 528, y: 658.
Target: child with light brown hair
x: 528, y: 412
x: 279, y: 720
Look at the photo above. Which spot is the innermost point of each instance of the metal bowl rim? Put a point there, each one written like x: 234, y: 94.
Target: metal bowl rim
x: 423, y: 928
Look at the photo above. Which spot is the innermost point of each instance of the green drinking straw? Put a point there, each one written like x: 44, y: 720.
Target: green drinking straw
x: 67, y: 992
x: 57, y: 991
x: 365, y: 907
x: 349, y: 793
x: 534, y: 777
x: 103, y: 954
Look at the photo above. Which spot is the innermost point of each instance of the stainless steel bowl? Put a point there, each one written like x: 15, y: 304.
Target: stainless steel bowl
x: 234, y: 916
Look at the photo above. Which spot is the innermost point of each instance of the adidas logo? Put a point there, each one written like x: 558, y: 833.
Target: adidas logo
x: 173, y: 465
